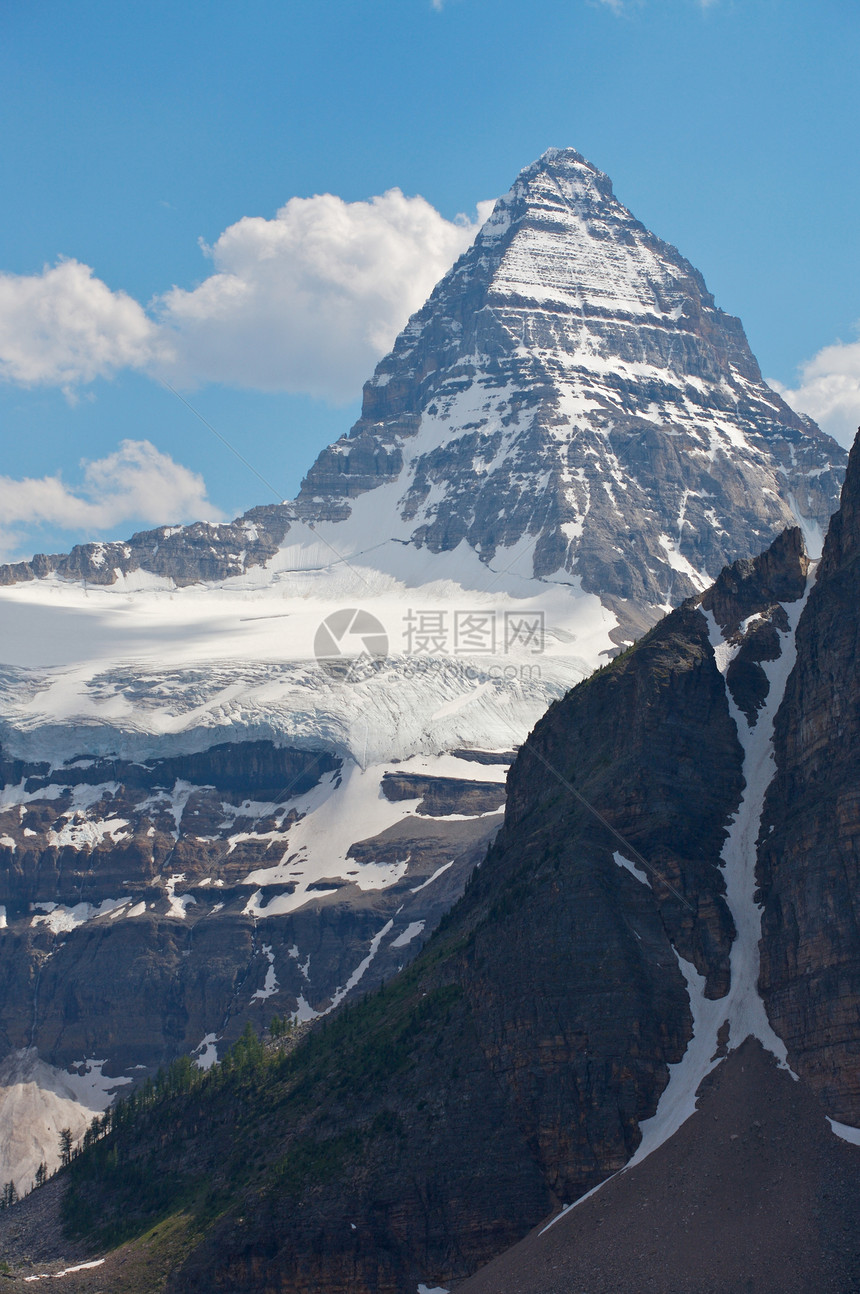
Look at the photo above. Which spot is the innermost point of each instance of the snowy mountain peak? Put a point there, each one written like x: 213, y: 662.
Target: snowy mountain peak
x: 570, y: 386
x: 575, y: 244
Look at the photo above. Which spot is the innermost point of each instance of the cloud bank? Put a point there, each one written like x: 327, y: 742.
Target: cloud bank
x: 137, y: 482
x: 64, y: 327
x: 828, y: 390
x: 306, y: 303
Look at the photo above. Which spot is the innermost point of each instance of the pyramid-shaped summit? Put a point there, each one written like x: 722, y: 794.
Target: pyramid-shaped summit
x: 570, y: 387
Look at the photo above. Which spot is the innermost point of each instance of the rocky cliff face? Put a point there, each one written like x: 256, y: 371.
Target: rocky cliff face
x: 572, y: 383
x: 809, y: 860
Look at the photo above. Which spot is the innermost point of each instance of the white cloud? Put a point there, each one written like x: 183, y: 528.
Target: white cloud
x: 621, y: 6
x: 306, y: 302
x: 63, y: 327
x: 136, y: 483
x: 309, y: 301
x: 828, y: 390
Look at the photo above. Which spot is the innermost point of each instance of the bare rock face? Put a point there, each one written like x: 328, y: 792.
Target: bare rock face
x: 147, y: 910
x: 809, y: 862
x: 444, y: 795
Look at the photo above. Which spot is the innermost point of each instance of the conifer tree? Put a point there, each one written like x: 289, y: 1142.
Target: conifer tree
x: 65, y: 1146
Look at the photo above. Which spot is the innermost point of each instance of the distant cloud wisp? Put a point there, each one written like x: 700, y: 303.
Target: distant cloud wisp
x: 306, y: 302
x: 135, y: 483
x: 621, y: 6
x: 829, y: 390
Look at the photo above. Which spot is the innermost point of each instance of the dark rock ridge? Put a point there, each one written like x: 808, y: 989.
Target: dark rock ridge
x: 569, y: 384
x: 255, y: 770
x: 748, y: 603
x: 444, y: 795
x: 508, y: 1069
x: 204, y: 551
x: 809, y: 848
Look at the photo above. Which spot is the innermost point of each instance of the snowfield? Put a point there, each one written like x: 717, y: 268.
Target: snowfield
x: 138, y: 671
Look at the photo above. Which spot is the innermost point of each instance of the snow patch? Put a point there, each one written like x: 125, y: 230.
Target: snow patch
x: 412, y: 931
x: 631, y: 868
x: 746, y: 1011
x: 62, y: 920
x: 206, y: 1051
x: 344, y: 808
x: 845, y: 1132
x: 179, y: 903
x: 87, y: 833
x: 430, y: 879
x: 304, y: 1011
x: 67, y: 1271
x: 271, y: 982
x: 678, y: 1100
x: 361, y: 968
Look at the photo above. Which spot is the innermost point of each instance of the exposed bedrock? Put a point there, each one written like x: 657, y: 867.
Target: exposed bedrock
x: 809, y: 848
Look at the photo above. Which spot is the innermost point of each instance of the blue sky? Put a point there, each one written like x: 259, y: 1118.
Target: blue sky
x: 133, y: 137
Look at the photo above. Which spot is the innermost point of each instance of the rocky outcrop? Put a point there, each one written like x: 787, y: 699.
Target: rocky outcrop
x: 748, y: 603
x: 205, y: 551
x: 443, y: 796
x: 809, y: 849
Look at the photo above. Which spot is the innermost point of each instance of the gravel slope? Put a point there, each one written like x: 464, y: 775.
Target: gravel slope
x: 754, y: 1193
